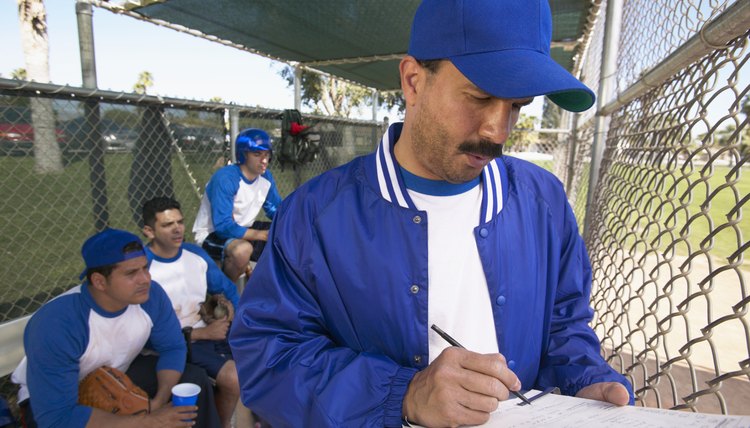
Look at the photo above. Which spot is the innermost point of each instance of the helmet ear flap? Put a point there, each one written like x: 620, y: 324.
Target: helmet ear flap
x: 239, y: 155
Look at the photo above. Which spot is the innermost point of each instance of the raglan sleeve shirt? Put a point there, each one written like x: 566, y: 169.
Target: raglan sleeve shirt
x: 221, y: 191
x: 54, y: 340
x: 217, y: 281
x: 166, y: 336
x: 273, y: 198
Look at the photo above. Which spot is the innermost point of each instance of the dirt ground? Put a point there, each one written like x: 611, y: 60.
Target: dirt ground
x: 688, y: 327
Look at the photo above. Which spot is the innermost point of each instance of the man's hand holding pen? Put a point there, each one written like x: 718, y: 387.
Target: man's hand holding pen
x: 459, y: 387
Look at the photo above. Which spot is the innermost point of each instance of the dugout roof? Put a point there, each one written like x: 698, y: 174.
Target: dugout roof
x: 358, y: 40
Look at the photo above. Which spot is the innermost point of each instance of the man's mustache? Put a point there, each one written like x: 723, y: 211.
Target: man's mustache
x: 481, y: 148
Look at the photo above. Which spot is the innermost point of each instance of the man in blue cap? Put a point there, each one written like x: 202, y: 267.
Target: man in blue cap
x: 107, y: 321
x: 434, y: 228
x: 226, y: 225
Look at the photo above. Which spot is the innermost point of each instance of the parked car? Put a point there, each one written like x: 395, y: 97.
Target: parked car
x: 17, y: 131
x: 117, y: 137
x: 193, y: 138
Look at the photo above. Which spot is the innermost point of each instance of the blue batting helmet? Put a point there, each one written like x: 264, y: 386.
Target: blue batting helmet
x: 252, y: 140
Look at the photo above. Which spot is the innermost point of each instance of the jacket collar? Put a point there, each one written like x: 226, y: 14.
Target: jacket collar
x: 494, y: 178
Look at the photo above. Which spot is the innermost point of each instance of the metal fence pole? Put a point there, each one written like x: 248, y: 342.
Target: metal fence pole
x: 375, y: 104
x: 84, y: 16
x: 297, y: 106
x: 297, y: 87
x: 731, y: 24
x: 573, y: 145
x: 234, y: 129
x: 606, y: 85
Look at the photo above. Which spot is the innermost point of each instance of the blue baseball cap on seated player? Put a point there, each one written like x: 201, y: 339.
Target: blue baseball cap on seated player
x: 501, y: 46
x: 107, y: 248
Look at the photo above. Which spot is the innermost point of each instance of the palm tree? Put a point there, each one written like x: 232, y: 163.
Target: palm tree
x: 145, y: 81
x: 32, y: 16
x: 19, y: 74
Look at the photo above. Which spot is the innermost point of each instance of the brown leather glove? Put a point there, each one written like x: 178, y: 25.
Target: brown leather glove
x: 216, y: 307
x: 111, y: 390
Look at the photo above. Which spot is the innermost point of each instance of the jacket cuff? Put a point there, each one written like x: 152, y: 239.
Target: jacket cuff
x: 395, y: 401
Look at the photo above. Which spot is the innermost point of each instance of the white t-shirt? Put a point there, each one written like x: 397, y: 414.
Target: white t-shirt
x: 458, y: 298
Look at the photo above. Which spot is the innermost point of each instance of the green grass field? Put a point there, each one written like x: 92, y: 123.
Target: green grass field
x: 684, y: 211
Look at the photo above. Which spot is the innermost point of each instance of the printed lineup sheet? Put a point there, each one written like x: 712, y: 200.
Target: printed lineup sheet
x: 561, y: 411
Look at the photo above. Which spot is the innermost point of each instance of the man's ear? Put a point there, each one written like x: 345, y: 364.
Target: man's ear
x: 412, y: 78
x: 148, y: 231
x: 98, y: 281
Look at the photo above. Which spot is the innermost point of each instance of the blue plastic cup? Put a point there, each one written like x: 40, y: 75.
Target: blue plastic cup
x: 185, y: 394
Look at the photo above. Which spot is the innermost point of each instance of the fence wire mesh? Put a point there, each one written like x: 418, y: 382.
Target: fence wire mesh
x: 90, y: 177
x: 65, y: 177
x: 669, y: 238
x: 652, y: 30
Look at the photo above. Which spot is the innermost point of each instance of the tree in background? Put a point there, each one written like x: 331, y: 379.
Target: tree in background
x: 552, y: 118
x: 122, y: 116
x: 727, y: 135
x: 551, y: 115
x: 32, y: 17
x: 523, y: 136
x: 326, y: 95
x: 19, y: 74
x: 145, y: 81
x: 393, y: 99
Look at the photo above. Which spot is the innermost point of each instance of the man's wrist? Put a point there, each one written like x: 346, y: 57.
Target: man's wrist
x: 249, y: 235
x: 197, y: 334
x: 159, y: 401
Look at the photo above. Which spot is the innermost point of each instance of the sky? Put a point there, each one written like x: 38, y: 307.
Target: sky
x: 183, y: 66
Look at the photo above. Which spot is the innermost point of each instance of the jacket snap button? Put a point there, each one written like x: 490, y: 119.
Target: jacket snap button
x: 417, y: 219
x: 483, y: 232
x: 414, y: 289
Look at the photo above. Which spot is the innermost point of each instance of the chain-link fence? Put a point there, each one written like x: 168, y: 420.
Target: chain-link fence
x: 97, y: 176
x: 668, y: 237
x: 64, y: 177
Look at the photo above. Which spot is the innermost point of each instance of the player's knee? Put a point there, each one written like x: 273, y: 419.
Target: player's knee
x: 239, y: 252
x: 227, y: 378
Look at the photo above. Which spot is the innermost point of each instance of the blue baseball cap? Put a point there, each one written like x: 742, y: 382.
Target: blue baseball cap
x: 106, y: 248
x: 502, y: 46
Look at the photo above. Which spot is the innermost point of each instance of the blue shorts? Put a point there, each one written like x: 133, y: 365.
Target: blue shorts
x: 210, y: 355
x: 215, y: 245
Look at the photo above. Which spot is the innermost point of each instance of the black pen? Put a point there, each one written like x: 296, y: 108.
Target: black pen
x: 455, y: 343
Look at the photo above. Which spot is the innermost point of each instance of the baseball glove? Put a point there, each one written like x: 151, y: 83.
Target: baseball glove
x: 111, y: 390
x: 216, y: 307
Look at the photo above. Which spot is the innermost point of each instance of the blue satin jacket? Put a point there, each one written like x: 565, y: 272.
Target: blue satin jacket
x: 332, y: 325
